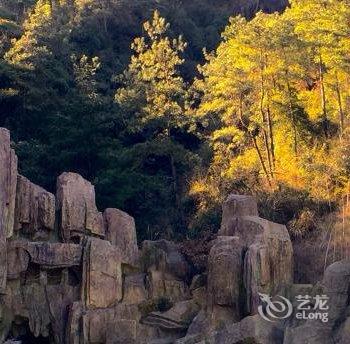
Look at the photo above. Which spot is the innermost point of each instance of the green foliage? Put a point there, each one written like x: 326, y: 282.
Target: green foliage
x: 275, y: 96
x: 266, y: 112
x: 152, y: 97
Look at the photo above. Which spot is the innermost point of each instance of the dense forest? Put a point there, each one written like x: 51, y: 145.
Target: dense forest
x: 168, y: 106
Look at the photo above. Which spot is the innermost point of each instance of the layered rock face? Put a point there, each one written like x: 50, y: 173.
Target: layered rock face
x: 8, y: 176
x: 250, y: 256
x: 72, y: 274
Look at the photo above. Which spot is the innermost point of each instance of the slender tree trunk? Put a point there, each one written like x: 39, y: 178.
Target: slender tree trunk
x: 323, y: 97
x: 175, y: 184
x: 292, y: 115
x: 262, y: 163
x: 290, y: 105
x: 272, y: 141
x: 340, y: 106
x: 263, y: 119
x: 261, y: 158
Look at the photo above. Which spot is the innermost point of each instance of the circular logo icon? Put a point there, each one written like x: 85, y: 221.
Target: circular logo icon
x: 279, y: 308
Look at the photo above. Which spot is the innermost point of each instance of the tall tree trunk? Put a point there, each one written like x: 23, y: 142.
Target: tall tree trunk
x: 323, y: 97
x: 175, y: 184
x: 272, y: 141
x: 340, y: 106
x: 264, y: 124
x: 261, y: 158
x: 253, y: 138
x: 292, y: 114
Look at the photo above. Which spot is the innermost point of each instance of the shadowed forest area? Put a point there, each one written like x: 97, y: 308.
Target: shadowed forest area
x: 169, y: 106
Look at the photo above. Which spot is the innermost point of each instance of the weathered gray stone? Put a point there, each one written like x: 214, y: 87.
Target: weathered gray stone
x: 225, y: 280
x: 198, y: 281
x: 179, y: 317
x: 102, y: 274
x: 234, y: 207
x: 255, y: 256
x: 251, y: 329
x: 308, y: 333
x: 134, y: 289
x: 76, y: 204
x: 121, y: 232
x: 35, y: 209
x: 47, y: 255
x: 199, y: 324
x: 342, y: 335
x: 167, y: 270
x: 17, y: 261
x: 119, y: 324
x: 268, y: 265
x: 8, y: 182
x: 74, y: 331
x: 335, y: 286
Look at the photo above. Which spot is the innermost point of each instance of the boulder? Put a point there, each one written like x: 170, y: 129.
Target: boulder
x: 268, y: 263
x: 166, y: 256
x: 59, y: 297
x: 17, y: 261
x: 47, y: 255
x: 119, y: 324
x: 336, y: 286
x: 309, y: 333
x: 121, y: 232
x: 77, y: 208
x: 168, y: 271
x: 252, y: 329
x: 225, y: 275
x: 234, y: 207
x: 74, y: 330
x: 122, y: 331
x: 342, y: 335
x: 178, y: 318
x: 199, y: 324
x: 8, y: 183
x: 134, y: 289
x: 102, y: 274
x: 199, y: 281
x: 35, y: 210
x: 268, y: 258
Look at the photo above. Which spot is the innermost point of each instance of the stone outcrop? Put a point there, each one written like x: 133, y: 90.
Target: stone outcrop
x: 167, y: 270
x: 179, y: 317
x: 8, y: 177
x: 35, y: 210
x: 336, y: 286
x: 250, y: 256
x: 121, y: 232
x: 225, y: 276
x: 102, y: 274
x: 252, y: 329
x: 77, y: 208
x: 70, y: 274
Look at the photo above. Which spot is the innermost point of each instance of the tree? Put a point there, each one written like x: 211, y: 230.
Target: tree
x: 152, y: 97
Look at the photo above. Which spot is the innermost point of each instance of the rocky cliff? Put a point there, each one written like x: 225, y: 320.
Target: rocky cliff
x: 72, y: 274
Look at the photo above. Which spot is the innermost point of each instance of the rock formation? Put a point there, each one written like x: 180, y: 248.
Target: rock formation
x: 72, y: 274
